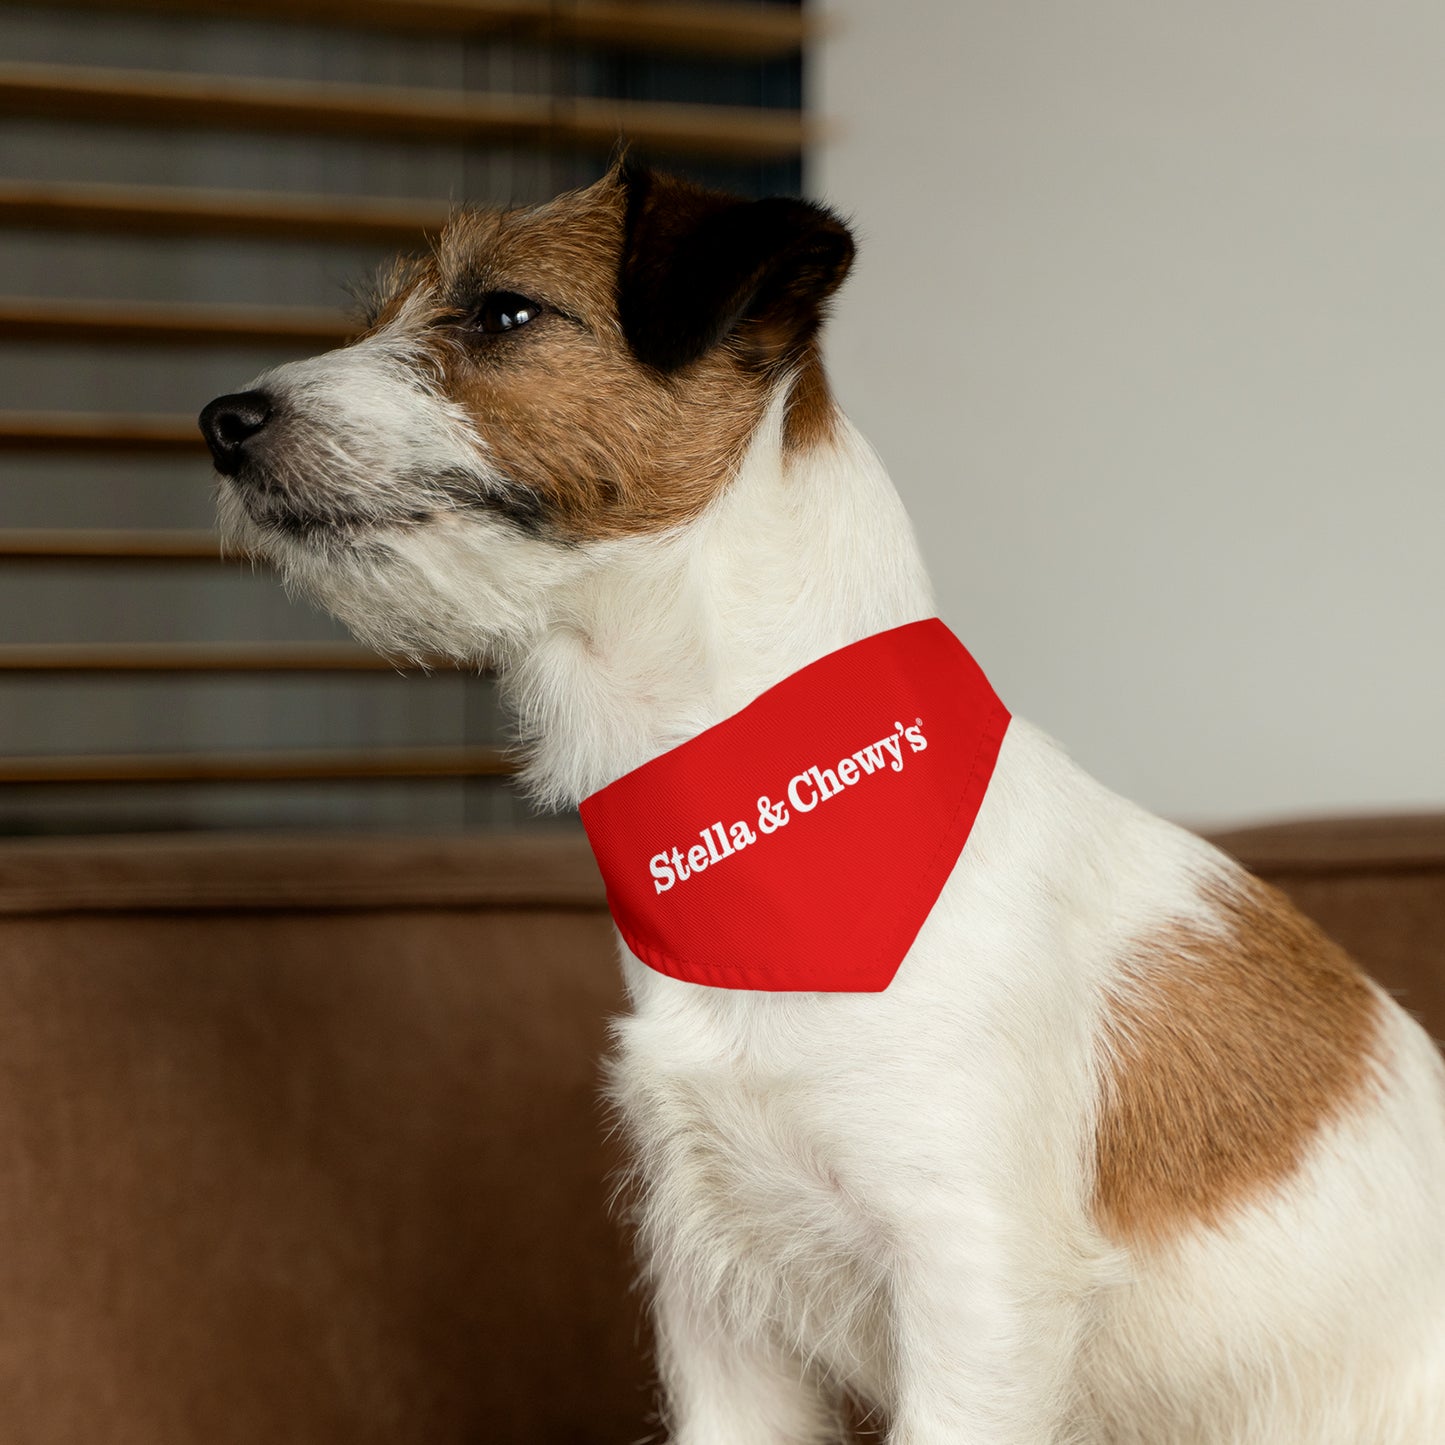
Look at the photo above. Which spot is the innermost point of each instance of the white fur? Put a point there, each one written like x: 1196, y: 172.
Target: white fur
x: 890, y: 1193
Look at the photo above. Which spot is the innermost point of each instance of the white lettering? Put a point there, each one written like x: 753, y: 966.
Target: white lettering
x: 815, y: 784
x: 870, y: 757
x: 797, y: 801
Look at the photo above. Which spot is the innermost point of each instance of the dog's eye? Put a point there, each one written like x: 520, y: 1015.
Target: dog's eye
x: 504, y: 311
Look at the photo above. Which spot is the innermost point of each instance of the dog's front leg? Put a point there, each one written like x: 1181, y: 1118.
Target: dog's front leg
x: 723, y: 1387
x: 985, y: 1348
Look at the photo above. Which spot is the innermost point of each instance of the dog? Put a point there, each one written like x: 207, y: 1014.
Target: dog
x: 1127, y: 1153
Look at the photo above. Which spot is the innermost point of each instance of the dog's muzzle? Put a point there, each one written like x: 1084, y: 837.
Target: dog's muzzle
x: 230, y: 422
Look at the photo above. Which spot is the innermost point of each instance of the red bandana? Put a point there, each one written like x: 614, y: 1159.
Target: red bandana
x: 801, y: 843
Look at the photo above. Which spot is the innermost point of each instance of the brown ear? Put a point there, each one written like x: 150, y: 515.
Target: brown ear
x: 699, y: 266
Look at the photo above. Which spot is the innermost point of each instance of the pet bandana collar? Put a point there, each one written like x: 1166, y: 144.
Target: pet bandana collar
x: 800, y: 843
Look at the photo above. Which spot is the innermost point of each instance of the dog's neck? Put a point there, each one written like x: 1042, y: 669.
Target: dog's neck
x: 802, y: 554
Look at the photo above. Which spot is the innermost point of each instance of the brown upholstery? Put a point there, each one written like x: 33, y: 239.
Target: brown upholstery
x: 300, y: 1141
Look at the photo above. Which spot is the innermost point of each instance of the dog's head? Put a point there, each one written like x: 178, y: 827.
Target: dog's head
x: 547, y: 383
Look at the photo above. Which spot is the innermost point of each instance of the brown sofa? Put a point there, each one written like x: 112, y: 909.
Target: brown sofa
x: 301, y: 1140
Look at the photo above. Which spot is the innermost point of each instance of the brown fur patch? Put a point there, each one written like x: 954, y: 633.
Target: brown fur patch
x: 602, y: 444
x: 1226, y: 1053
x: 812, y: 413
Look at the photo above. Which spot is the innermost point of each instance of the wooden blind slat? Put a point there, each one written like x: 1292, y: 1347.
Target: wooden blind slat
x: 134, y: 657
x: 756, y: 32
x: 217, y: 102
x: 169, y: 323
x: 258, y: 767
x: 176, y: 210
x: 76, y: 544
x: 79, y: 431
x: 709, y: 29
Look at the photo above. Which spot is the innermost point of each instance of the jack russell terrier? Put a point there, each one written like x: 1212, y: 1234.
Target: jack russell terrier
x: 1112, y: 1147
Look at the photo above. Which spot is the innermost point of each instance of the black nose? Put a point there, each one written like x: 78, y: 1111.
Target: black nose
x: 229, y: 422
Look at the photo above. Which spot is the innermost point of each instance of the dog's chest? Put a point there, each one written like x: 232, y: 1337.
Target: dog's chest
x: 744, y: 1186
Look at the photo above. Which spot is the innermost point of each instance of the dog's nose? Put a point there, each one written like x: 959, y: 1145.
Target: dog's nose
x: 229, y: 422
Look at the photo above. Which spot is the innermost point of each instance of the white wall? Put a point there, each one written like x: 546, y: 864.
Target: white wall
x: 1149, y: 323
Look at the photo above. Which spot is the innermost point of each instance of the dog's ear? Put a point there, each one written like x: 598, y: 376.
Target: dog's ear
x: 700, y: 266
